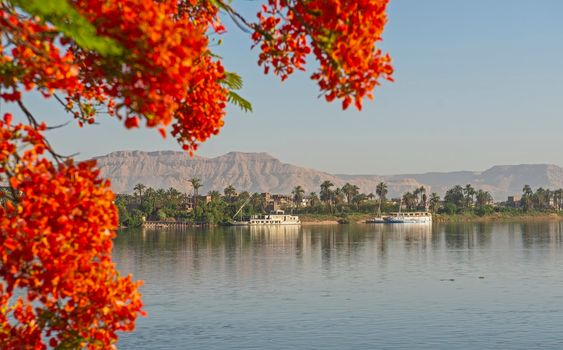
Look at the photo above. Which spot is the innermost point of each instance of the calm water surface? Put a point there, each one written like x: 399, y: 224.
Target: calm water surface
x: 451, y: 286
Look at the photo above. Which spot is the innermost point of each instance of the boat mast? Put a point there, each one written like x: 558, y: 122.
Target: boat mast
x: 242, y: 206
x: 400, y: 205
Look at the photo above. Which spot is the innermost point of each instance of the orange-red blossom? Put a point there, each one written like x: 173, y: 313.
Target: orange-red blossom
x: 56, y: 238
x: 341, y: 34
x: 58, y: 285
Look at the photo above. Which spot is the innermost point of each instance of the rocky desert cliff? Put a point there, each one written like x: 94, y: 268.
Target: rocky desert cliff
x: 260, y: 172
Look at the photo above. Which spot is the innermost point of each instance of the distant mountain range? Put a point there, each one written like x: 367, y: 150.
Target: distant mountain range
x: 260, y: 172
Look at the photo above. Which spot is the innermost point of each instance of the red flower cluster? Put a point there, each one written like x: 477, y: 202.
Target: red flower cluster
x: 166, y: 65
x: 56, y: 239
x: 57, y: 224
x: 164, y: 68
x: 341, y: 34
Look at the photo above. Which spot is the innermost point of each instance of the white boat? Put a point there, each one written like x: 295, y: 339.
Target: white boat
x: 417, y: 217
x: 277, y: 218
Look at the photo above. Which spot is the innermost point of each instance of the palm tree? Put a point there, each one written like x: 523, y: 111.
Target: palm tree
x: 173, y: 197
x: 540, y: 198
x: 558, y: 198
x: 350, y: 191
x: 434, y: 202
x: 326, y: 192
x: 230, y: 191
x: 338, y: 196
x: 483, y: 198
x: 423, y: 197
x: 258, y: 203
x: 149, y: 200
x: 468, y: 192
x: 358, y: 199
x: 455, y: 196
x: 139, y: 189
x: 381, y: 191
x: 410, y: 200
x: 527, y: 198
x: 160, y: 195
x: 415, y: 193
x: 196, y: 184
x: 298, y: 194
x: 214, y: 195
x: 313, y: 199
x: 548, y: 198
x: 243, y: 196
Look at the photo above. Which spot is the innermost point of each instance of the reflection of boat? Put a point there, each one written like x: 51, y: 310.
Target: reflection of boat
x: 412, y: 232
x: 287, y: 236
x: 277, y: 218
x: 272, y: 230
x: 417, y: 217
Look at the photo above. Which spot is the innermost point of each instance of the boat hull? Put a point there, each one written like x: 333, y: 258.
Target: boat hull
x: 375, y: 221
x: 409, y: 221
x: 242, y: 223
x: 269, y: 220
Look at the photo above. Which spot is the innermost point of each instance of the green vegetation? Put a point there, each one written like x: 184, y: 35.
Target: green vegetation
x: 345, y: 204
x: 172, y: 205
x: 467, y: 204
x: 146, y: 203
x: 68, y: 20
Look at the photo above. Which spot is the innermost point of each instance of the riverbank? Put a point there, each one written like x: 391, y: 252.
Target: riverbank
x: 327, y: 219
x: 500, y: 217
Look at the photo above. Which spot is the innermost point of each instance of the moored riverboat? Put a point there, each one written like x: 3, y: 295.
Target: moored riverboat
x: 417, y: 217
x: 276, y: 218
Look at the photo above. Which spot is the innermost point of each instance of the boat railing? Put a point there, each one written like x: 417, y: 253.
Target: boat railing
x: 411, y: 214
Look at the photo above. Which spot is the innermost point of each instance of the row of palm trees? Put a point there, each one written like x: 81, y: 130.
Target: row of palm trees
x: 139, y: 189
x: 467, y: 197
x: 541, y: 199
x: 159, y: 204
x: 229, y: 193
x: 348, y: 194
x: 457, y: 198
x: 418, y: 199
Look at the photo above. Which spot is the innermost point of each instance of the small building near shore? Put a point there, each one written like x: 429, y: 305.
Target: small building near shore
x: 513, y: 201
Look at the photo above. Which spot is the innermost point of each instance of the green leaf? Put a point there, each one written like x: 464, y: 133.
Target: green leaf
x: 220, y: 4
x: 233, y: 81
x: 240, y: 102
x: 66, y: 19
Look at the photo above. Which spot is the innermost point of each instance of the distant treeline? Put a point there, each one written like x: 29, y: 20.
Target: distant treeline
x: 215, y: 208
x: 152, y: 204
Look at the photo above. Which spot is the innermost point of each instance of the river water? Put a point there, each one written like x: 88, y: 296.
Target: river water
x: 446, y: 286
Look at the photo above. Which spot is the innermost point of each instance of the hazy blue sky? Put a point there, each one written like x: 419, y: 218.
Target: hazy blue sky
x: 478, y: 83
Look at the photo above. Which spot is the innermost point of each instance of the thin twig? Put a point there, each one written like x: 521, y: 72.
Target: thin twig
x: 58, y: 157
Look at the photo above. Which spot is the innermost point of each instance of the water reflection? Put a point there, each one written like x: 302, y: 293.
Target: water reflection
x: 348, y: 286
x: 134, y: 247
x: 330, y: 240
x: 540, y: 233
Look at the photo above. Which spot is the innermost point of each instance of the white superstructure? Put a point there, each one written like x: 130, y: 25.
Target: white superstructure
x: 277, y: 218
x: 417, y: 217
